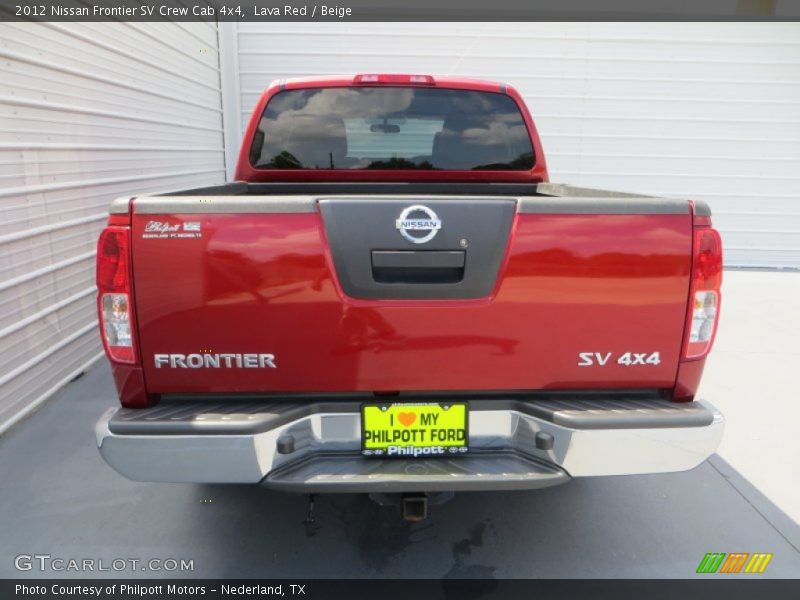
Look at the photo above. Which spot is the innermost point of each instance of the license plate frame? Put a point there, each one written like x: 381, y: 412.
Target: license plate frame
x: 423, y: 445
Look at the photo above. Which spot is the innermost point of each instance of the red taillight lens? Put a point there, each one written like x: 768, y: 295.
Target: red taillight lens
x: 704, y: 299
x: 707, y: 259
x: 114, y: 294
x: 112, y: 259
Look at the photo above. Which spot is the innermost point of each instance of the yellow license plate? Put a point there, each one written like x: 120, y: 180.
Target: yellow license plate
x: 414, y: 430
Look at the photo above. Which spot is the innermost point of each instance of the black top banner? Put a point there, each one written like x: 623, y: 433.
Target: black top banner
x: 242, y: 11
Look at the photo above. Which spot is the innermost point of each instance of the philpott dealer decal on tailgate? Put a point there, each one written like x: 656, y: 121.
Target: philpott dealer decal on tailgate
x: 163, y: 230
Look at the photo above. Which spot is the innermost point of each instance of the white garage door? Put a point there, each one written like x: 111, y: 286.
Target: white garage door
x: 87, y: 113
x: 703, y: 110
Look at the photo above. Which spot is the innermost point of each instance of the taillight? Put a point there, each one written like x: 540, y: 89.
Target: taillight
x: 705, y: 292
x: 114, y: 294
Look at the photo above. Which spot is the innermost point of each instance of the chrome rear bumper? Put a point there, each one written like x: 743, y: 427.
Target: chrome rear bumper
x: 314, y: 447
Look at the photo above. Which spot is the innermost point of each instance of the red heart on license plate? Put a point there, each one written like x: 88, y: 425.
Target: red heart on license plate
x: 406, y: 418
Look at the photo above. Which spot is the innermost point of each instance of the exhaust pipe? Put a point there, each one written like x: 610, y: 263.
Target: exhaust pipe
x: 414, y: 507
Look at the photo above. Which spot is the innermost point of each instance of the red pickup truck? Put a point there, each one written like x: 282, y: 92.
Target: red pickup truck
x: 392, y: 298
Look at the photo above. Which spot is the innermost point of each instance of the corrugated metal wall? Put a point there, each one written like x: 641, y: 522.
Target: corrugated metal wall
x: 705, y: 110
x: 88, y: 112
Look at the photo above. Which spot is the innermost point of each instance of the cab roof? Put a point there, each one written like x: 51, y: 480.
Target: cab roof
x: 392, y: 79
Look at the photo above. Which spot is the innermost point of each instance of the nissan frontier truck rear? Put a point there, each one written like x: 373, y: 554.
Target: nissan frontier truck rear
x: 393, y: 298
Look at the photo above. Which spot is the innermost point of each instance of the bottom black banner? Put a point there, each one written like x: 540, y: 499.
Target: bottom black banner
x: 401, y: 589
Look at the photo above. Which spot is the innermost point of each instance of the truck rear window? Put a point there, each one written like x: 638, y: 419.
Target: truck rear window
x: 391, y: 128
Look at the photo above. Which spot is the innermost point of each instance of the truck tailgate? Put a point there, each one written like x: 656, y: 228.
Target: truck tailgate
x: 306, y: 294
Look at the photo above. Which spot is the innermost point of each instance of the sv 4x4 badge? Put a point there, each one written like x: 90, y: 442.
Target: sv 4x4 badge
x: 628, y: 359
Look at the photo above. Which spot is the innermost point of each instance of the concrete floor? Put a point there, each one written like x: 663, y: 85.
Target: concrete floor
x: 58, y: 497
x: 753, y: 377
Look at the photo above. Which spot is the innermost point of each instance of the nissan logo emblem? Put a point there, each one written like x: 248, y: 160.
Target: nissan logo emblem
x: 418, y: 224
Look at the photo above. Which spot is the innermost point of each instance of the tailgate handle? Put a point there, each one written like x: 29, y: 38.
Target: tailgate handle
x: 409, y: 266
x: 431, y: 259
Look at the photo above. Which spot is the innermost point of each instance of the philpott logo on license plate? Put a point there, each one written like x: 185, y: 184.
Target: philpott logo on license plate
x: 413, y: 430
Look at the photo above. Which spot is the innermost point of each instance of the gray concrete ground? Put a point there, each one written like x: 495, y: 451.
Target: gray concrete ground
x: 58, y: 497
x: 753, y: 377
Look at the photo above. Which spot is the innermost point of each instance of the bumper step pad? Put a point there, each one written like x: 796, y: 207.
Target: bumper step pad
x: 354, y: 473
